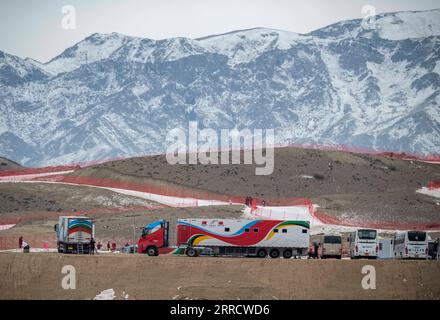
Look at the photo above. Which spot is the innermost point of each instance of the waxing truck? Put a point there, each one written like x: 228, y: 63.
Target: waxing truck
x: 227, y: 237
x: 74, y: 234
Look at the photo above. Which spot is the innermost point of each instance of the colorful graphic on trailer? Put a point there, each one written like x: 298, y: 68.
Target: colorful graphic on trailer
x: 265, y: 233
x: 80, y: 225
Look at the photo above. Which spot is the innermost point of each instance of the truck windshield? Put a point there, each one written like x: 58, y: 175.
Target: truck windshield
x: 332, y: 239
x: 367, y: 234
x: 416, y: 236
x: 146, y: 231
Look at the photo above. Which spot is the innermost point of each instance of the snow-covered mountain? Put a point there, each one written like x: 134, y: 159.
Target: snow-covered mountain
x: 372, y: 85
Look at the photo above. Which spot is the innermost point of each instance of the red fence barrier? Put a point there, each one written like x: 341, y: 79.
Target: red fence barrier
x: 433, y: 185
x: 26, y: 171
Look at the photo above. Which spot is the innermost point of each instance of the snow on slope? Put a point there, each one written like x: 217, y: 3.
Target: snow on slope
x: 405, y: 25
x: 117, y: 96
x: 388, y: 26
x: 93, y: 48
x: 245, y: 45
x: 430, y: 192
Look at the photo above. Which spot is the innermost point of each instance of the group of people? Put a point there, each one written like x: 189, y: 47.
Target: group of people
x: 111, y: 246
x: 94, y: 246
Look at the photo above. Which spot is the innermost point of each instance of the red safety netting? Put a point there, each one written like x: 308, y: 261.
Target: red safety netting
x: 176, y: 191
x: 385, y: 225
x: 27, y: 171
x: 433, y: 185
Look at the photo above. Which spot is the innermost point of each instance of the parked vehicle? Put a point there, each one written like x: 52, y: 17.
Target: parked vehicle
x: 74, y: 234
x: 386, y: 248
x: 411, y: 245
x: 364, y: 244
x: 331, y: 247
x: 228, y: 237
x: 433, y: 249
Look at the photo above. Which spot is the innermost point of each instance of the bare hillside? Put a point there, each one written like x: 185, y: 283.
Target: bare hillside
x: 356, y: 185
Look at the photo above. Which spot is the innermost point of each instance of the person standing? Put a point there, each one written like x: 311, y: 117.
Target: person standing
x: 330, y: 165
x: 108, y: 245
x: 316, y: 250
x: 20, y: 242
x: 92, y: 246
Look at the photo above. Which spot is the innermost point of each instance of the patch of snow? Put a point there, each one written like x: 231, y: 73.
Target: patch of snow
x: 108, y: 294
x: 6, y: 226
x: 430, y: 192
x: 167, y: 200
x: 25, y: 177
x: 36, y: 250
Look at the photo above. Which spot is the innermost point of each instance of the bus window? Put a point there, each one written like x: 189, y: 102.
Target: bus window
x: 332, y: 239
x: 416, y: 236
x: 367, y: 234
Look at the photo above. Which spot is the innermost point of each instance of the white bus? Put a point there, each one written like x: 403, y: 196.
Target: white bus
x: 411, y: 245
x: 364, y: 244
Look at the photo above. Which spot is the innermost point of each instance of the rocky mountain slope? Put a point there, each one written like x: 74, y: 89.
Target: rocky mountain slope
x: 372, y: 85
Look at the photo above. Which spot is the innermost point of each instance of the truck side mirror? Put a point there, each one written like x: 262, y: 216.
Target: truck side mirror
x: 55, y: 227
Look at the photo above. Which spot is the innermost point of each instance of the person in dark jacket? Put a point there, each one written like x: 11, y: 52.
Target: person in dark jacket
x: 20, y: 242
x: 92, y: 246
x: 315, y: 250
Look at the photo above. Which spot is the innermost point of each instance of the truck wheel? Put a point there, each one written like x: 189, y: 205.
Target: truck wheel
x: 152, y: 251
x: 274, y: 253
x: 287, y: 254
x: 261, y: 253
x: 191, y: 252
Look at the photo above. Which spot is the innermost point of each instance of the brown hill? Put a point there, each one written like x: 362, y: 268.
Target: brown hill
x: 6, y: 164
x: 359, y: 186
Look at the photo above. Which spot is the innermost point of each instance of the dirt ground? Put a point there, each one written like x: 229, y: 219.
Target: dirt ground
x: 359, y: 186
x: 39, y: 276
x: 21, y: 198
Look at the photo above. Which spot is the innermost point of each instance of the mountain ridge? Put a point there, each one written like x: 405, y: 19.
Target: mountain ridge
x: 113, y: 95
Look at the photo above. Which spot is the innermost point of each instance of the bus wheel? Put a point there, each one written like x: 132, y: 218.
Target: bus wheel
x: 191, y: 252
x: 274, y: 253
x: 287, y: 254
x: 261, y: 253
x: 152, y: 251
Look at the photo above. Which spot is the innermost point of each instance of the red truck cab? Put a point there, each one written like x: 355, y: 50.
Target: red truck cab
x: 154, y: 236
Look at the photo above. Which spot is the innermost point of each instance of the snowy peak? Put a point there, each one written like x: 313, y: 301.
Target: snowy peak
x: 93, y: 48
x: 388, y: 26
x: 177, y: 48
x: 343, y: 84
x: 245, y: 45
x: 405, y: 25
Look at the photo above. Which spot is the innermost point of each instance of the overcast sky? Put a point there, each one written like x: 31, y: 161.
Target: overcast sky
x: 34, y: 28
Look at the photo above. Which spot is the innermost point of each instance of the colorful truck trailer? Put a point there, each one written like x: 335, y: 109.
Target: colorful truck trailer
x: 74, y: 234
x: 228, y: 237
